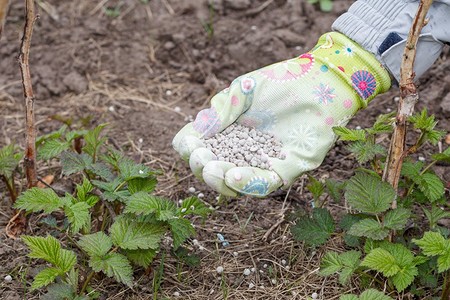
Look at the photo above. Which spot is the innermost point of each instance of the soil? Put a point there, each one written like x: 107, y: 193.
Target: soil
x: 131, y: 70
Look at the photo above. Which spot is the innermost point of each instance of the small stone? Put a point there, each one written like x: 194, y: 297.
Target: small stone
x: 283, y: 262
x: 265, y: 266
x: 177, y: 109
x: 191, y: 190
x: 314, y: 295
x: 247, y: 272
x: 421, y: 158
x: 235, y: 254
x: 169, y: 45
x: 253, y: 269
x: 8, y: 278
x: 251, y: 285
x: 274, y: 281
x: 219, y: 270
x: 176, y: 294
x: 200, y: 195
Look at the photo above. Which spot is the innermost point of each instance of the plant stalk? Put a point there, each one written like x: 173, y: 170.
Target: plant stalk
x: 4, y: 4
x: 446, y: 287
x: 408, y: 98
x: 30, y: 150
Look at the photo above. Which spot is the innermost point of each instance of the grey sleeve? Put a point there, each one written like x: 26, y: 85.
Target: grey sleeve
x: 382, y: 27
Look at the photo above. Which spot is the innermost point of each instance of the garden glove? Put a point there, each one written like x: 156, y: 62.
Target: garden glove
x: 298, y: 100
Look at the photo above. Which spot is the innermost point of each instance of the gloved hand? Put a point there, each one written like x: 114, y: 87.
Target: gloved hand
x: 299, y: 100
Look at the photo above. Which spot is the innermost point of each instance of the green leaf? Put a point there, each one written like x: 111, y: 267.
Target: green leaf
x: 404, y: 277
x: 402, y: 255
x: 83, y: 192
x: 58, y: 291
x: 142, y: 185
x: 185, y: 256
x: 111, y: 190
x: 36, y: 199
x: 433, y: 243
x: 435, y: 214
x: 330, y: 264
x: 396, y: 219
x: 432, y: 186
x: 367, y: 193
x: 52, y: 148
x: 366, y: 150
x: 350, y: 261
x: 73, y: 162
x: 314, y: 230
x: 143, y: 203
x: 345, y: 224
x: 348, y: 297
x: 93, y: 140
x: 73, y: 134
x: 346, y: 134
x: 181, y: 230
x: 113, y: 264
x: 383, y: 124
x: 382, y: 261
x: 444, y: 261
x: 78, y: 215
x: 129, y: 170
x: 9, y: 160
x: 101, y: 170
x: 129, y: 234
x: 97, y: 244
x: 194, y: 206
x: 51, y: 136
x: 372, y: 294
x: 422, y: 121
x: 141, y: 257
x: 49, y: 249
x: 315, y: 187
x: 335, y: 189
x: 369, y: 228
x: 326, y: 5
x: 45, y: 277
x: 444, y: 156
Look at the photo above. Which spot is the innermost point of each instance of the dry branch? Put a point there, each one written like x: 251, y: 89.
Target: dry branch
x: 30, y: 150
x: 408, y: 98
x: 3, y: 11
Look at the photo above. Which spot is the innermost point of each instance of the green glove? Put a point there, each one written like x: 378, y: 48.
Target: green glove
x: 298, y: 100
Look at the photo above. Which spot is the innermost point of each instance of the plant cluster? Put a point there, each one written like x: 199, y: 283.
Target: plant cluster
x: 112, y: 219
x: 389, y: 248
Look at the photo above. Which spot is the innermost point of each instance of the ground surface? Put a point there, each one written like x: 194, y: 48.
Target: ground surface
x: 131, y: 71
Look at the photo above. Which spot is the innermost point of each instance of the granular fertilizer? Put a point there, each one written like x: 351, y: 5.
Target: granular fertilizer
x: 245, y: 146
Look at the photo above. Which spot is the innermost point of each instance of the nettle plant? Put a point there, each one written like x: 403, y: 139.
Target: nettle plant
x: 399, y: 250
x: 112, y: 219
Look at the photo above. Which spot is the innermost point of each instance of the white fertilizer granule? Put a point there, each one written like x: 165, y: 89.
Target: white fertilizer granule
x: 245, y: 146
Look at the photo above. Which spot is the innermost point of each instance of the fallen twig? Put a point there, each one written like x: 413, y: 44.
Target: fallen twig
x: 4, y: 4
x: 408, y: 98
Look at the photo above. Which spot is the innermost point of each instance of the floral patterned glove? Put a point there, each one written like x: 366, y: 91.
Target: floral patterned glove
x: 299, y: 100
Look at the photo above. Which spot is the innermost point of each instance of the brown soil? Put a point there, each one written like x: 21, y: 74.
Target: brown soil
x: 131, y: 71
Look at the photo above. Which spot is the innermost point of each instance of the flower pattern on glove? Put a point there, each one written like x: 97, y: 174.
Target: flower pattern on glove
x: 207, y: 122
x: 364, y: 83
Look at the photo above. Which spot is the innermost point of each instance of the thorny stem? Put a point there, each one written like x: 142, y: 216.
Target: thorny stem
x: 408, y: 98
x: 446, y: 287
x: 3, y: 10
x: 30, y: 150
x: 11, y: 188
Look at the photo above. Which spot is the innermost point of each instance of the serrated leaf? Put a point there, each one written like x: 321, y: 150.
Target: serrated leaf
x: 383, y: 124
x: 51, y: 148
x: 101, y: 170
x: 142, y: 185
x: 434, y: 136
x: 73, y: 162
x: 97, y: 244
x: 93, y: 140
x: 418, y: 260
x: 372, y: 294
x: 432, y: 243
x: 45, y: 277
x: 315, y: 187
x: 84, y: 189
x: 49, y: 249
x: 422, y: 121
x: 348, y: 297
x: 113, y: 157
x: 185, y: 256
x: 444, y: 156
x: 141, y: 257
x: 369, y: 228
x: 396, y: 219
x: 52, y: 135
x: 78, y: 215
x: 9, y: 160
x: 346, y: 223
x: 330, y: 264
x: 129, y: 234
x: 435, y: 214
x: 367, y: 193
x: 36, y: 199
x: 194, y: 206
x: 350, y: 261
x: 181, y: 230
x: 143, y: 203
x: 111, y: 190
x: 432, y: 186
x: 73, y: 134
x: 366, y: 150
x: 335, y: 189
x: 128, y: 170
x: 443, y: 261
x: 382, y: 261
x: 404, y: 277
x: 113, y: 265
x: 314, y: 230
x: 346, y: 134
x: 402, y: 255
x: 59, y: 291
